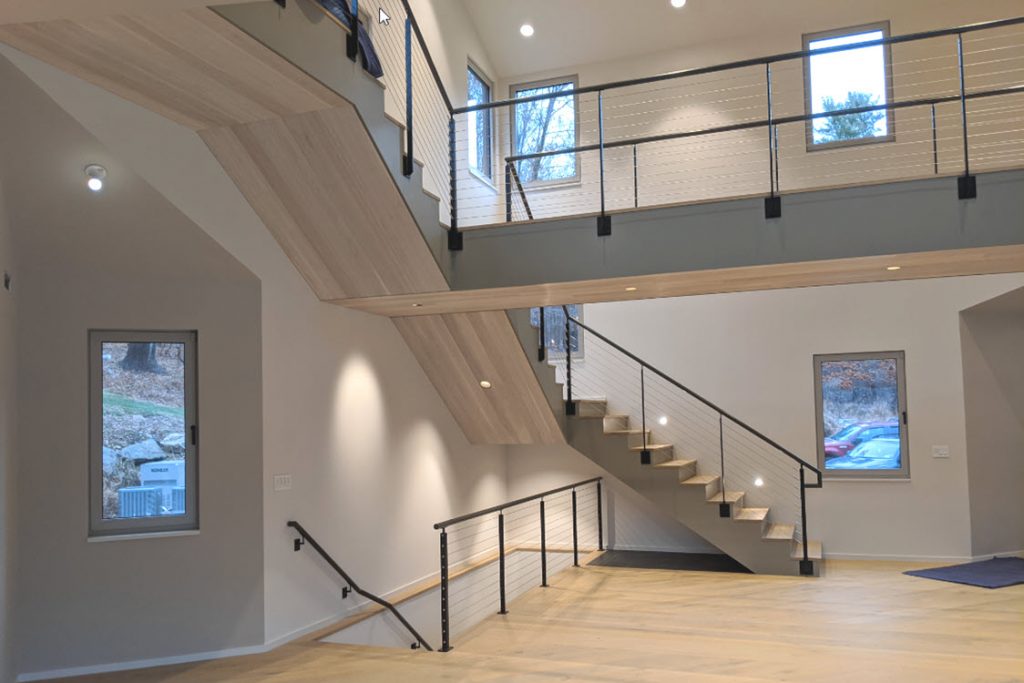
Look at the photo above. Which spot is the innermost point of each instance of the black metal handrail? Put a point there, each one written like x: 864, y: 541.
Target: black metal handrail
x: 512, y: 176
x: 743, y: 63
x: 307, y: 538
x: 806, y: 566
x: 443, y: 527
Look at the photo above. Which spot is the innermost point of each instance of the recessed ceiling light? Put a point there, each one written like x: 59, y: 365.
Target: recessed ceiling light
x: 663, y: 420
x: 630, y: 289
x: 893, y: 267
x: 678, y: 3
x: 416, y: 305
x: 526, y: 30
x: 759, y: 482
x: 485, y: 384
x: 96, y: 174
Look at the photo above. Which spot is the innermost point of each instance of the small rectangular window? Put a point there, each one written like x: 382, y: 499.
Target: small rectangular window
x: 862, y: 415
x: 546, y: 125
x: 143, y: 432
x: 554, y: 329
x: 848, y: 79
x: 481, y: 142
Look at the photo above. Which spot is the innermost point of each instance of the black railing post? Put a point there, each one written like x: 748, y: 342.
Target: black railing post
x: 806, y: 566
x: 352, y: 43
x: 575, y: 534
x: 508, y: 193
x: 604, y: 221
x: 407, y: 160
x: 543, y: 548
x: 600, y: 520
x: 570, y: 405
x: 542, y: 349
x: 446, y: 644
x: 454, y: 236
x: 773, y: 202
x: 645, y: 453
x: 967, y: 185
x: 636, y: 182
x: 501, y: 562
x: 778, y: 187
x: 935, y: 141
x: 723, y: 506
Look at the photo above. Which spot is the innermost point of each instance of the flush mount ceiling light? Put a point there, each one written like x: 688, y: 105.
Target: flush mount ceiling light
x: 678, y: 3
x: 96, y: 174
x: 485, y: 384
x: 630, y: 289
x: 663, y: 420
x: 526, y: 30
x: 759, y: 482
x: 893, y: 267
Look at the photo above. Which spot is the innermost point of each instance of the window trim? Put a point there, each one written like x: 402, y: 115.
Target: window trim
x: 155, y: 526
x: 489, y: 82
x: 808, y: 38
x: 551, y: 353
x: 574, y: 79
x: 901, y: 390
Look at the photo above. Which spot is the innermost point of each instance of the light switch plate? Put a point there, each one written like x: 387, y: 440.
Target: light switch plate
x: 282, y: 482
x: 940, y: 451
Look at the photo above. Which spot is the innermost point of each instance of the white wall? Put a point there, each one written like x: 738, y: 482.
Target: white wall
x: 375, y: 456
x: 751, y: 353
x: 8, y: 396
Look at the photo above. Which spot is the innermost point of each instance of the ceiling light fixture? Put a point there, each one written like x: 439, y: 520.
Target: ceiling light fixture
x: 759, y: 482
x: 678, y: 3
x: 526, y: 30
x: 663, y: 420
x: 893, y: 267
x: 96, y: 175
x: 485, y: 384
x: 417, y: 305
x: 630, y: 289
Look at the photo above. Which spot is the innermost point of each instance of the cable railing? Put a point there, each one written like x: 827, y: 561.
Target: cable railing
x: 305, y: 537
x: 668, y: 413
x: 491, y: 556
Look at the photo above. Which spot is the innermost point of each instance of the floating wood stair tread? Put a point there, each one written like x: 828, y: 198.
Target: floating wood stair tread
x: 730, y: 497
x: 651, y: 447
x: 600, y: 417
x: 813, y: 550
x: 700, y: 480
x: 590, y: 400
x: 751, y: 514
x: 624, y: 432
x: 780, y: 532
x: 675, y: 464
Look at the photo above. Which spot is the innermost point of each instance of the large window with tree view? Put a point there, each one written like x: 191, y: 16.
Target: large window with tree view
x: 545, y: 125
x: 861, y: 412
x: 143, y: 439
x: 848, y: 79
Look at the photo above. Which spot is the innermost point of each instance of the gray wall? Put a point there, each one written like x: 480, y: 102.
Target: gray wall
x: 7, y: 423
x: 123, y: 259
x: 992, y: 337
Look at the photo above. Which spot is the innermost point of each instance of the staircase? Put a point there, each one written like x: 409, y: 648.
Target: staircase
x: 680, y: 470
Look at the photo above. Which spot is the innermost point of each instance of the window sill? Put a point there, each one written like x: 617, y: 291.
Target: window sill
x: 487, y: 182
x: 142, y: 536
x: 894, y: 480
x: 555, y: 185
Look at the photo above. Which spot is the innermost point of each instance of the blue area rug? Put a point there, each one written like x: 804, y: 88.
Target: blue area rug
x: 998, y: 572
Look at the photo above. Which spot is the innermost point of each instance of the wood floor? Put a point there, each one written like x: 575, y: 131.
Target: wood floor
x: 859, y: 622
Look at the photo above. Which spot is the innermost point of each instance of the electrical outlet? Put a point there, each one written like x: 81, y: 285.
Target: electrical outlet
x: 940, y: 451
x: 282, y: 482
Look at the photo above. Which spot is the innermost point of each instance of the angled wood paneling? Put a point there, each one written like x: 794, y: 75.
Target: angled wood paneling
x: 946, y: 263
x: 457, y: 352
x: 191, y: 66
x: 319, y: 185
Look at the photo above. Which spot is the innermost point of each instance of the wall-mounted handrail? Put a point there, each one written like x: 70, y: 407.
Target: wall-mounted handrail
x: 743, y: 63
x: 306, y: 538
x: 504, y: 506
x: 790, y: 454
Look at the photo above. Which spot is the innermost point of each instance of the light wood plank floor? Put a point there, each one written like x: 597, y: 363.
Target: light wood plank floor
x: 859, y: 622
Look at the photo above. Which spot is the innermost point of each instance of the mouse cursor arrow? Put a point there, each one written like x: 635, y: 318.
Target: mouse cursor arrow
x: 384, y: 18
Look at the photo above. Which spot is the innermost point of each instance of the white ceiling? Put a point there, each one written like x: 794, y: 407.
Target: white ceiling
x: 21, y: 11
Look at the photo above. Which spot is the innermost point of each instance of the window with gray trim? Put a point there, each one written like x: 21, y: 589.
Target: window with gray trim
x: 546, y: 125
x: 142, y: 432
x: 861, y: 410
x: 848, y: 79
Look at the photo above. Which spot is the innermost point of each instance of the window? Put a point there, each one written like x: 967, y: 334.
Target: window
x: 545, y: 125
x: 862, y: 415
x: 481, y: 143
x: 848, y: 79
x: 554, y: 329
x: 142, y: 432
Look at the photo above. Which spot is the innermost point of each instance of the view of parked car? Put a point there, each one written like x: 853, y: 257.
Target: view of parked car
x: 877, y: 454
x: 853, y: 435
